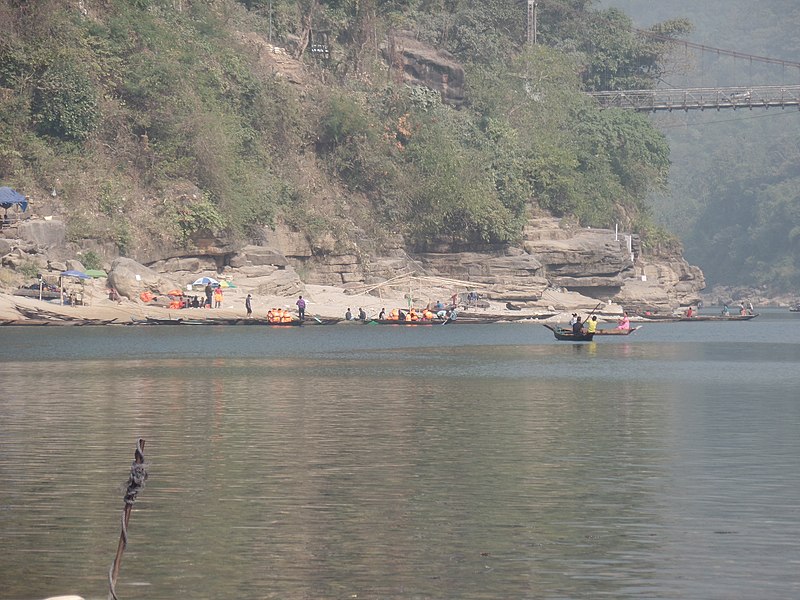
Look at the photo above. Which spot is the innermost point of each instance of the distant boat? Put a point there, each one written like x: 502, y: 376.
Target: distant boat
x: 682, y: 318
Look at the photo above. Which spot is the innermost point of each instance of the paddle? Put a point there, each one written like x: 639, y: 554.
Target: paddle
x: 591, y: 313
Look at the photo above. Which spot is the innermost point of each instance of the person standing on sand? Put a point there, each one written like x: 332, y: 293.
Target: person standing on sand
x: 301, y: 308
x: 218, y: 298
x: 249, y: 306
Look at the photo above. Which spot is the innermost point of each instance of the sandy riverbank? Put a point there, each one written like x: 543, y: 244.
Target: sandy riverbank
x: 322, y: 301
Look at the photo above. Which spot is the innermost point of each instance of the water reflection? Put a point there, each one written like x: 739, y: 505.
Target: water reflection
x: 505, y: 470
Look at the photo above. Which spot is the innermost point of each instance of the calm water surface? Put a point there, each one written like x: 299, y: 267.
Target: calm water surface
x: 373, y: 462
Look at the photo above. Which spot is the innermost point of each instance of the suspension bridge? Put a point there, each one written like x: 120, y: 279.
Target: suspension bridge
x: 668, y: 98
x: 701, y: 98
x: 785, y: 95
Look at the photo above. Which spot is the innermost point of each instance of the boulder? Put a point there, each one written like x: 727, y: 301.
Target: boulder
x: 284, y: 282
x: 131, y: 278
x: 48, y: 234
x: 74, y: 265
x: 5, y: 247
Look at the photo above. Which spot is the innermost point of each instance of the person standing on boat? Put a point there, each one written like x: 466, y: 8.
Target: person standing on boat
x: 248, y: 306
x: 573, y: 319
x: 591, y: 324
x: 624, y: 322
x: 301, y: 308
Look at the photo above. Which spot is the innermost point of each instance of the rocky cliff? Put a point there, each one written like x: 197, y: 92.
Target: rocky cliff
x: 597, y: 263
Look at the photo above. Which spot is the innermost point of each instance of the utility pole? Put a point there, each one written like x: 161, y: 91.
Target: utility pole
x: 532, y: 18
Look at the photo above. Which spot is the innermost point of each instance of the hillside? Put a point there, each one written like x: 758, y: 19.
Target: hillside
x: 732, y: 193
x: 372, y: 133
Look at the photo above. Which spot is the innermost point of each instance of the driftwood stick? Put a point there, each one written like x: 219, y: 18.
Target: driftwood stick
x: 135, y: 485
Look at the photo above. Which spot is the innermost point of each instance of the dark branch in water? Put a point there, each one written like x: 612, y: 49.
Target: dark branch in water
x: 135, y: 485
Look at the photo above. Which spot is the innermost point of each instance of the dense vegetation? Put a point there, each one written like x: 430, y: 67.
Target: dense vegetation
x: 734, y: 188
x: 154, y: 120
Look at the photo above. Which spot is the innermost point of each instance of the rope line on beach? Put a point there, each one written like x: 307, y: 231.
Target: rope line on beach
x: 135, y: 485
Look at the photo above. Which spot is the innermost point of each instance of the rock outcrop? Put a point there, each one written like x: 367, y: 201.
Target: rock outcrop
x: 131, y: 278
x: 425, y: 65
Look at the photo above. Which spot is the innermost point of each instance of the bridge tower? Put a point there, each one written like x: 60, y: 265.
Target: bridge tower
x: 532, y: 25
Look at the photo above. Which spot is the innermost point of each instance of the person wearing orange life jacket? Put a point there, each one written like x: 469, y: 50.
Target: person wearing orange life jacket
x: 412, y: 315
x: 286, y: 316
x: 394, y: 315
x: 427, y: 315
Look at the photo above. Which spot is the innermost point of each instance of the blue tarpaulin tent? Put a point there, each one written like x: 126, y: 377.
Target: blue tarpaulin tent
x: 9, y: 198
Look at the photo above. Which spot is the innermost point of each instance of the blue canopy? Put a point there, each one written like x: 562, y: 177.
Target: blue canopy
x: 9, y: 198
x: 77, y: 274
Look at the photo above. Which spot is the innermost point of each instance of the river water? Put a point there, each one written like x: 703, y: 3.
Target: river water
x: 374, y: 462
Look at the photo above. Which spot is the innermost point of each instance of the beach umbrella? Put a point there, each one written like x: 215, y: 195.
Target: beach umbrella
x: 206, y: 281
x: 76, y: 274
x: 71, y: 273
x: 226, y: 284
x: 96, y: 273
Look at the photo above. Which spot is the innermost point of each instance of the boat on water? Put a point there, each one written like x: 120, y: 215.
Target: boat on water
x: 616, y: 331
x: 693, y: 318
x: 565, y: 334
x: 422, y: 322
x: 231, y: 321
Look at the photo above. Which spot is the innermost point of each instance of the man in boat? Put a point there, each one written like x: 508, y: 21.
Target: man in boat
x: 348, y: 316
x: 591, y: 324
x: 362, y: 316
x: 577, y: 326
x: 726, y: 311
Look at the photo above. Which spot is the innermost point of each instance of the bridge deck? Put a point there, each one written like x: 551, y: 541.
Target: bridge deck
x: 701, y: 98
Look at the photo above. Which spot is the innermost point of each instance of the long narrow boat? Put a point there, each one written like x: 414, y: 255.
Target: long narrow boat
x: 567, y: 335
x: 695, y: 318
x: 617, y: 331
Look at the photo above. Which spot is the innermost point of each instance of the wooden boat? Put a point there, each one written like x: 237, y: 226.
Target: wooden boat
x: 459, y: 321
x: 684, y: 318
x: 617, y: 331
x: 566, y: 335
